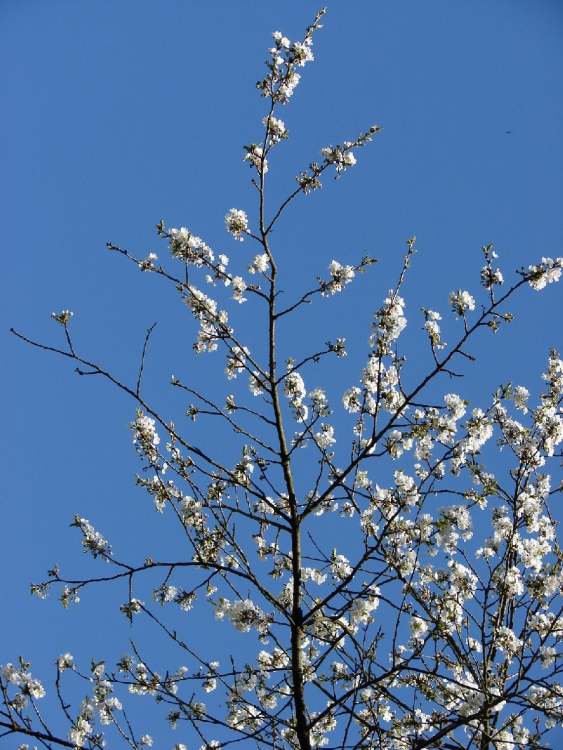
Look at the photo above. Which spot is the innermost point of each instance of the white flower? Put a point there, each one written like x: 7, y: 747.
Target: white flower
x: 301, y: 53
x: 532, y: 551
x: 236, y: 222
x: 520, y: 396
x: 243, y: 614
x: 340, y: 566
x: 406, y: 488
x: 288, y: 86
x: 280, y: 39
x: 32, y: 687
x: 325, y: 438
x: 455, y: 405
x: 361, y: 609
x: 132, y: 607
x: 474, y: 645
x: 507, y: 642
x: 463, y: 581
x: 509, y: 581
x: 11, y: 674
x: 480, y: 429
x: 165, y: 594
x: 92, y: 542
x: 546, y: 272
x: 239, y: 286
x: 341, y: 157
x: 418, y: 628
x: 294, y: 389
x: 319, y: 402
x: 260, y: 264
x: 79, y: 731
x: 254, y: 155
x: 312, y: 574
x: 63, y: 318
x: 362, y: 479
x: 209, y: 684
x: 66, y: 661
x: 461, y: 302
x: 548, y: 654
x: 188, y: 247
x: 148, y: 263
x: 351, y: 399
x: 144, y: 428
x: 276, y: 128
x: 341, y: 275
x: 432, y: 328
x: 490, y: 277
x: 389, y: 322
x: 255, y: 385
x: 236, y: 361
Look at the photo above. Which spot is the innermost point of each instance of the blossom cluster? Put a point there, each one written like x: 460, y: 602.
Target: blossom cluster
x: 236, y: 222
x: 295, y: 391
x: 92, y: 541
x: 189, y: 248
x: 432, y: 328
x: 341, y: 275
x: 244, y: 614
x: 461, y: 302
x: 389, y: 323
x: 145, y: 436
x: 26, y: 686
x: 63, y: 317
x: 546, y: 272
x: 285, y: 57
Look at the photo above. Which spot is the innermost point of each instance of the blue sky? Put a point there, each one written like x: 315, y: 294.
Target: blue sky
x: 119, y: 113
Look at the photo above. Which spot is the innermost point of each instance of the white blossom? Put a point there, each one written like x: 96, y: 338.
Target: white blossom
x: 148, y: 263
x: 340, y: 566
x: 238, y: 285
x: 342, y: 158
x: 491, y: 277
x: 294, y: 389
x: 255, y: 157
x: 520, y: 396
x: 461, y: 302
x: 340, y: 277
x: 319, y: 402
x: 145, y: 435
x: 546, y: 272
x: 236, y: 222
x: 260, y: 264
x: 325, y: 437
x: 276, y: 128
x: 66, y: 661
x: 389, y: 322
x: 351, y: 399
x: 63, y: 317
x: 418, y: 628
x: 243, y: 614
x: 189, y: 248
x: 432, y: 328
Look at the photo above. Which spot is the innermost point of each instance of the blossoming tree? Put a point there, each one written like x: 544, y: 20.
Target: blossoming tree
x: 420, y: 638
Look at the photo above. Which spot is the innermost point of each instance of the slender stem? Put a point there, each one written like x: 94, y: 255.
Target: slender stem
x: 297, y: 628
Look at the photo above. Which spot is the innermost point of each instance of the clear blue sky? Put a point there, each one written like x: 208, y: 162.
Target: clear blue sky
x: 116, y: 114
